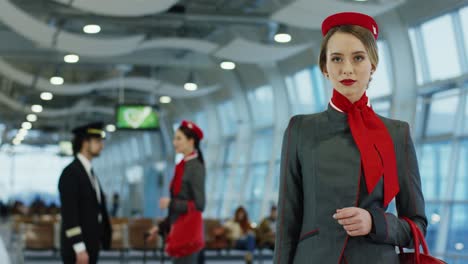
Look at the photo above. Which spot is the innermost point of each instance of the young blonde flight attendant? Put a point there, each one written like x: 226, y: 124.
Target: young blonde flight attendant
x: 341, y: 168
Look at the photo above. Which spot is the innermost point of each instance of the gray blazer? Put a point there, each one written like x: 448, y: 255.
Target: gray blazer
x: 193, y: 188
x: 320, y: 172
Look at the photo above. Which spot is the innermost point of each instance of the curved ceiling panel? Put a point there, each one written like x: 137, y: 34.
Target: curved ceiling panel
x: 246, y: 51
x: 26, y: 25
x: 43, y: 34
x: 198, y: 45
x: 142, y: 84
x: 121, y: 7
x: 95, y: 47
x: 237, y: 50
x: 79, y: 108
x: 310, y: 13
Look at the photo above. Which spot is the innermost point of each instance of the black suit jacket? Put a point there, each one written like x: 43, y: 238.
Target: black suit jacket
x: 80, y: 212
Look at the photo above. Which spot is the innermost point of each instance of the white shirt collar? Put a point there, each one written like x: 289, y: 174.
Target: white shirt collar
x: 86, y: 163
x: 339, y: 110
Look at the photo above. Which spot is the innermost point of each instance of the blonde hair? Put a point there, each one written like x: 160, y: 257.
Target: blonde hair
x: 363, y: 34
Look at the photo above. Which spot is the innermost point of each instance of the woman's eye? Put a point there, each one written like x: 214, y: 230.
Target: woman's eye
x: 336, y: 59
x: 359, y: 58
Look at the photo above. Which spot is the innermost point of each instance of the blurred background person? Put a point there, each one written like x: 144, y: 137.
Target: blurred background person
x: 183, y: 227
x: 241, y: 233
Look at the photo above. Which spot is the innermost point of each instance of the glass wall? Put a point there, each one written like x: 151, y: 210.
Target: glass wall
x: 440, y: 130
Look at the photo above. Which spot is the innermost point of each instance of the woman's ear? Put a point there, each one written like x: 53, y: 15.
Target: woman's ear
x: 373, y: 69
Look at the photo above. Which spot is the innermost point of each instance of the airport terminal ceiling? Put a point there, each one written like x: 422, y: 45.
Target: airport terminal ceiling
x: 142, y: 54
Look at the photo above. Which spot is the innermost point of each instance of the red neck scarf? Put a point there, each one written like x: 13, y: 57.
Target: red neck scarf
x: 374, y: 143
x: 176, y: 182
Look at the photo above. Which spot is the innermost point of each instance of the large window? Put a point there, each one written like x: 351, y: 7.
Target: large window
x: 381, y: 81
x: 441, y: 63
x: 228, y: 117
x: 464, y: 23
x: 300, y: 92
x: 306, y: 91
x: 442, y: 113
x: 261, y: 105
x: 434, y: 161
x: 31, y: 171
x: 443, y: 150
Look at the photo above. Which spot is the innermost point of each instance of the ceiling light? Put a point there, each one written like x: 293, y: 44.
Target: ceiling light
x: 435, y: 218
x: 16, y: 141
x: 26, y: 125
x: 360, y: 0
x: 91, y: 29
x: 71, y: 58
x: 56, y: 80
x: 165, y: 99
x: 36, y: 108
x: 31, y: 118
x: 190, y: 86
x: 282, y: 37
x: 46, y: 96
x: 227, y: 65
x: 110, y: 128
x: 459, y: 246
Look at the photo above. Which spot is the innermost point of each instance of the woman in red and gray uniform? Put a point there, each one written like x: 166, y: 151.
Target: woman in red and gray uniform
x: 341, y: 168
x: 188, y: 184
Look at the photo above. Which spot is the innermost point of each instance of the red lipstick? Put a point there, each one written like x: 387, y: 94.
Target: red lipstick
x: 347, y: 82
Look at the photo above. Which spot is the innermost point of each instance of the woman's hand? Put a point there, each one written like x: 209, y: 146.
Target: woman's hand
x: 152, y: 234
x: 356, y: 221
x: 164, y: 202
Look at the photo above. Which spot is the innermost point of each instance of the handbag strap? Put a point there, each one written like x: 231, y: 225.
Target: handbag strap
x: 191, y: 206
x: 421, y: 238
x: 418, y: 240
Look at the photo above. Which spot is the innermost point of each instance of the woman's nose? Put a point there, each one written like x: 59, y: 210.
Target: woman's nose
x: 347, y: 68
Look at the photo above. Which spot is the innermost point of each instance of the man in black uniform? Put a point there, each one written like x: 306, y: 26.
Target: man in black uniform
x: 85, y: 222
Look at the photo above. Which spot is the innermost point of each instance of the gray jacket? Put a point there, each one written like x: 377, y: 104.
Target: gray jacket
x: 320, y: 172
x: 193, y: 188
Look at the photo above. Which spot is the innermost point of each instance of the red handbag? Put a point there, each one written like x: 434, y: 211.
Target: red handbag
x: 186, y: 235
x: 418, y: 240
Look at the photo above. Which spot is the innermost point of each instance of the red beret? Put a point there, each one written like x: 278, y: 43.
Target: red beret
x: 350, y: 18
x: 192, y: 126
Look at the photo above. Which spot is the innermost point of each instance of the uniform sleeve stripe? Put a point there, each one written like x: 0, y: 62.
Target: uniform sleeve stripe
x: 73, y: 232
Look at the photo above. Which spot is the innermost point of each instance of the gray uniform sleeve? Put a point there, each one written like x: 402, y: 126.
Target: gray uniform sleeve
x: 290, y: 201
x: 409, y: 202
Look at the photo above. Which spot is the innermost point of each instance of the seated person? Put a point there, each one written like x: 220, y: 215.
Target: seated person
x: 240, y: 233
x: 267, y: 230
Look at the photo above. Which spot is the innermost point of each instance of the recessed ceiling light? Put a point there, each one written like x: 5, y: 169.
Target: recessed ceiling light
x: 165, y: 99
x: 71, y: 58
x: 56, y: 80
x: 91, y: 29
x: 36, y: 108
x: 26, y: 125
x: 190, y: 86
x: 16, y: 141
x: 283, y: 38
x: 459, y: 246
x: 435, y: 218
x: 110, y: 128
x: 31, y: 118
x: 46, y: 96
x: 227, y: 65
